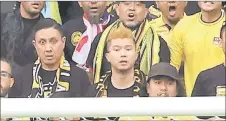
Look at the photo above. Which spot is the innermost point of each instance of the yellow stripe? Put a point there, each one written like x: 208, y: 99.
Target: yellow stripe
x: 54, y: 10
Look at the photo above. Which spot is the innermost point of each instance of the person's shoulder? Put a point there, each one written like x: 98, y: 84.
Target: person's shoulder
x: 76, y: 69
x: 211, y: 71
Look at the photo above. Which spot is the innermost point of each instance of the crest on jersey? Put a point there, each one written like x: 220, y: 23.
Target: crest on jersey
x: 216, y: 40
x: 76, y: 37
x: 220, y: 91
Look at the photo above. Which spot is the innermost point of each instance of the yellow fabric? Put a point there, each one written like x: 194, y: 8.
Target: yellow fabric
x: 194, y: 40
x: 160, y: 27
x: 55, y: 13
x: 154, y: 11
x: 151, y: 51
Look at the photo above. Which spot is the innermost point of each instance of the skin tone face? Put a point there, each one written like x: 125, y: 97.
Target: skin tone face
x: 122, y: 54
x: 208, y: 6
x: 94, y: 10
x: 31, y: 9
x: 131, y: 13
x: 6, y: 79
x: 172, y: 11
x: 49, y: 45
x: 163, y: 87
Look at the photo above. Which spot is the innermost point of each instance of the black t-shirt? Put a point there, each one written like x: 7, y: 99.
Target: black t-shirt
x: 78, y: 82
x: 210, y: 81
x: 28, y: 26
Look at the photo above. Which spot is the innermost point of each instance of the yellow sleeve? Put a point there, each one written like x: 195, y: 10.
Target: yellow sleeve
x: 176, y: 45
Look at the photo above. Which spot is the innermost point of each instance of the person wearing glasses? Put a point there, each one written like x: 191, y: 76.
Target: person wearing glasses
x: 7, y: 80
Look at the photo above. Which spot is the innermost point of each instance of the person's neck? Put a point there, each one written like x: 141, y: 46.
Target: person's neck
x: 210, y: 17
x: 122, y: 80
x: 25, y: 15
x: 52, y: 67
x: 166, y: 21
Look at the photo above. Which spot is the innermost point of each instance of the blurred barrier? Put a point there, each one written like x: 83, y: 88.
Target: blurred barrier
x: 154, y: 106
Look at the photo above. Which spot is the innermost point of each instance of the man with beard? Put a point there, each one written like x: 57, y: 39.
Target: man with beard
x: 195, y: 39
x: 152, y: 49
x: 16, y: 34
x: 80, y: 32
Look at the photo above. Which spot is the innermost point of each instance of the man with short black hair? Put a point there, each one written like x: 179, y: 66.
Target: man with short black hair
x: 51, y: 72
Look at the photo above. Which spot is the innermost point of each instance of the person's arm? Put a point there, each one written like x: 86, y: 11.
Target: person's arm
x: 199, y: 89
x: 164, y: 51
x: 176, y: 45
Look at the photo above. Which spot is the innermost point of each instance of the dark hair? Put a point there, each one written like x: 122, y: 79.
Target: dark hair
x: 7, y: 61
x: 181, y: 92
x: 223, y: 28
x: 47, y: 23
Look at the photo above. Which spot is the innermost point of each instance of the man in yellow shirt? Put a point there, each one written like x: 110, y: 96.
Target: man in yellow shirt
x: 172, y: 12
x: 195, y: 39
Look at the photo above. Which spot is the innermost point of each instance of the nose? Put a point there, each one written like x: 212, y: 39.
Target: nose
x: 163, y: 87
x: 93, y: 2
x: 48, y: 48
x: 123, y: 53
x: 132, y: 6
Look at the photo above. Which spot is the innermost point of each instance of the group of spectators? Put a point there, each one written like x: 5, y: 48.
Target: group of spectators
x: 116, y: 49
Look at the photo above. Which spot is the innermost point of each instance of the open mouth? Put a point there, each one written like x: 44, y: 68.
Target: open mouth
x: 172, y: 10
x: 163, y: 95
x: 94, y: 9
x: 131, y: 16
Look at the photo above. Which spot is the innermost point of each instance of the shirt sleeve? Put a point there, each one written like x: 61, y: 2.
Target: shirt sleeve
x: 176, y: 45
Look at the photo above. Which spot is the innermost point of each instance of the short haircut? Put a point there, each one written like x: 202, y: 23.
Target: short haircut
x: 7, y: 61
x: 47, y: 23
x: 120, y: 32
x: 223, y: 29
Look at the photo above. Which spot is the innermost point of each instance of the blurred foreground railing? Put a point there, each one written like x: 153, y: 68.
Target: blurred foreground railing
x: 52, y: 107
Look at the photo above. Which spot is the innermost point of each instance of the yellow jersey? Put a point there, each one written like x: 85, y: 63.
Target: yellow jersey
x: 197, y: 43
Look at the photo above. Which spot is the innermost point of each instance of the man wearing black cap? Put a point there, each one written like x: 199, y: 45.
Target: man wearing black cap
x: 132, y: 15
x: 164, y: 81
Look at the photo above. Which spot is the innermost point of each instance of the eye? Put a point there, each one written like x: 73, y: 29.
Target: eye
x: 157, y: 82
x: 53, y: 41
x: 42, y: 42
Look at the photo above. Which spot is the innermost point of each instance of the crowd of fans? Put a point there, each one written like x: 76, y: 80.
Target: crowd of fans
x: 116, y: 49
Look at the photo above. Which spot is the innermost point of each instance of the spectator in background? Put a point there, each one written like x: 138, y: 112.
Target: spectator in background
x: 81, y: 31
x: 7, y: 80
x: 195, y: 39
x: 172, y: 12
x: 16, y: 36
x: 152, y: 48
x: 123, y: 80
x: 51, y: 72
x: 211, y: 82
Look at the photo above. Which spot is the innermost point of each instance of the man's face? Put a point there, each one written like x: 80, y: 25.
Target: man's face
x: 163, y: 87
x: 223, y: 40
x: 33, y: 8
x: 131, y: 13
x: 6, y: 80
x: 49, y: 45
x: 173, y: 11
x: 122, y: 54
x: 208, y: 6
x: 94, y: 9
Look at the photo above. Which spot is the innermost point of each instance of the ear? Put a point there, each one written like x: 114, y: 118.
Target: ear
x: 11, y: 82
x: 63, y: 40
x: 108, y: 57
x: 80, y: 3
x: 186, y: 3
x: 147, y: 87
x: 33, y: 42
x: 117, y: 9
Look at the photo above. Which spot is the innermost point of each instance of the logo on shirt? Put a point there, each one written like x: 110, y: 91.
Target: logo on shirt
x: 220, y: 91
x: 216, y: 40
x: 76, y: 37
